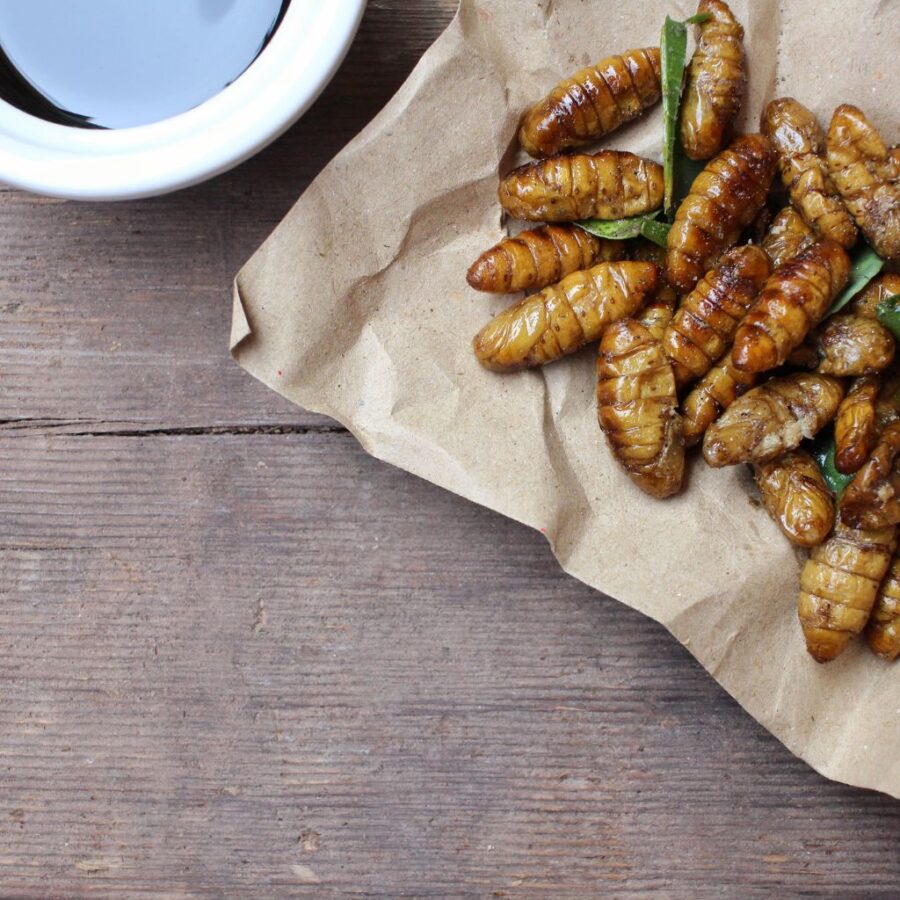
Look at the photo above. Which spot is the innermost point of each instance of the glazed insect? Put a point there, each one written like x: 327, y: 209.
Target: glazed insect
x: 866, y: 302
x: 772, y: 419
x: 856, y: 425
x: 853, y: 345
x: 711, y: 396
x: 791, y: 303
x: 715, y: 84
x: 535, y: 259
x: 838, y: 587
x: 883, y: 632
x: 637, y: 405
x: 788, y: 235
x: 563, y: 318
x: 611, y: 184
x: 593, y: 102
x: 658, y: 312
x: 867, y: 175
x: 872, y: 499
x: 800, y: 143
x: 724, y: 198
x: 708, y: 317
x: 794, y: 492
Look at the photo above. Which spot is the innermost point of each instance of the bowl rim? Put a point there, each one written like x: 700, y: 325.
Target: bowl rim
x: 148, y: 160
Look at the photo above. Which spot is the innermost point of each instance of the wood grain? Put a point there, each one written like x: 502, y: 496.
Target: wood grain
x: 240, y: 658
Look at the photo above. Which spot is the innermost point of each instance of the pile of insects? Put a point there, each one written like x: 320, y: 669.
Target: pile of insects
x: 753, y: 312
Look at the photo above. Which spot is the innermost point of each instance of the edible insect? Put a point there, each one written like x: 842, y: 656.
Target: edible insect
x: 715, y: 84
x: 866, y: 302
x: 794, y: 492
x: 838, y: 587
x: 800, y: 142
x: 883, y: 632
x: 772, y: 419
x: 637, y: 405
x: 611, y: 184
x: 872, y: 499
x: 856, y: 425
x: 853, y: 345
x: 708, y: 317
x: 788, y: 235
x: 724, y: 198
x: 563, y: 318
x: 867, y: 175
x: 535, y: 259
x: 792, y: 302
x: 592, y: 103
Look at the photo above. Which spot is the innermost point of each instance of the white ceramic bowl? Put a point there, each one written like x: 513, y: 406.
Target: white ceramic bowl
x: 84, y: 164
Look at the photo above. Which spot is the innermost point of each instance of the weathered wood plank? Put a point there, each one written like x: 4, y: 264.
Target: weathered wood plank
x: 239, y: 665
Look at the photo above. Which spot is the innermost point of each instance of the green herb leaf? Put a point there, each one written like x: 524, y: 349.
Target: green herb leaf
x: 823, y: 450
x: 673, y: 50
x: 658, y: 232
x: 866, y: 265
x: 889, y: 314
x: 622, y: 229
x: 698, y: 19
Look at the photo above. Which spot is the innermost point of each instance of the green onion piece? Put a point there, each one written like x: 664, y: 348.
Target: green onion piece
x: 866, y: 265
x: 823, y: 451
x: 889, y: 314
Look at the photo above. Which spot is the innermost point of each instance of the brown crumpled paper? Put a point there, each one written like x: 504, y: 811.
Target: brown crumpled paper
x: 357, y: 307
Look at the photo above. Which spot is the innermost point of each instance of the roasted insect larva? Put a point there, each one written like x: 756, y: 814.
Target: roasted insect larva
x: 724, y: 198
x: 592, y: 103
x: 852, y: 345
x: 658, y: 312
x: 708, y: 317
x: 772, y: 419
x: 791, y: 303
x: 794, y: 492
x: 563, y: 318
x: 866, y: 302
x: 800, y: 143
x: 867, y: 176
x: 838, y: 586
x: 872, y: 499
x: 883, y: 632
x: 716, y: 81
x: 788, y: 235
x: 712, y: 395
x: 534, y: 259
x: 637, y: 406
x: 611, y: 184
x: 856, y: 425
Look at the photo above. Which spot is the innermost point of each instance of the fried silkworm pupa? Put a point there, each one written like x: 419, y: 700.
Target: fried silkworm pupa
x: 838, y: 586
x: 708, y: 317
x: 796, y: 496
x: 563, y: 318
x: 800, y: 143
x: 611, y: 184
x: 592, y: 103
x: 788, y: 235
x: 658, y: 312
x: 711, y: 396
x: 872, y: 499
x: 883, y: 632
x: 852, y: 345
x: 865, y: 303
x: 772, y: 419
x: 637, y: 406
x: 790, y: 305
x: 856, y: 425
x: 535, y: 259
x: 867, y: 176
x: 724, y: 198
x: 715, y: 83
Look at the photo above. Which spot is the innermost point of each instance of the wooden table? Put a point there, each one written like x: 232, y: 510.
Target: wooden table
x: 241, y: 658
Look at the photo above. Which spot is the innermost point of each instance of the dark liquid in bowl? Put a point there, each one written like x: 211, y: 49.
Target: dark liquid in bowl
x: 120, y: 63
